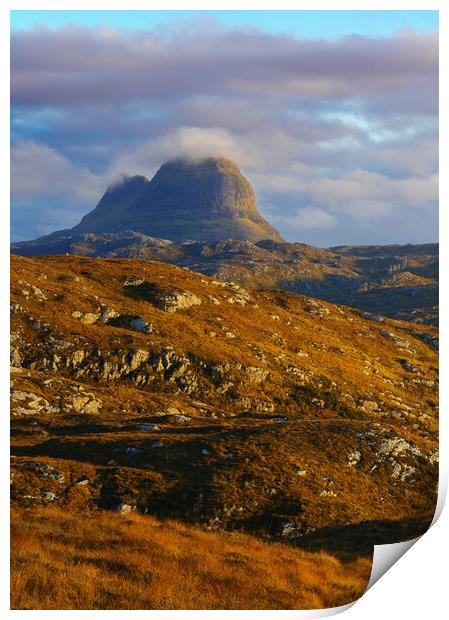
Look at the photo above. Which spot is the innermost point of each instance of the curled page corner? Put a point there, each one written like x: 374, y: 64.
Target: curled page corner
x: 442, y: 493
x: 385, y: 556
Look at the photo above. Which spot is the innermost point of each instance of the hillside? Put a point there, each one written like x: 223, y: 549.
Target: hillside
x: 109, y: 561
x: 397, y: 281
x: 143, y: 384
x: 142, y: 391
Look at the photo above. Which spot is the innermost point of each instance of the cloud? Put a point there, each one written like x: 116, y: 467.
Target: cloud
x: 38, y: 171
x: 193, y: 142
x: 339, y: 137
x: 312, y: 217
x: 74, y: 66
x: 361, y: 184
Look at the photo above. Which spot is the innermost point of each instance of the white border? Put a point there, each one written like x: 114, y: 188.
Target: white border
x: 416, y: 585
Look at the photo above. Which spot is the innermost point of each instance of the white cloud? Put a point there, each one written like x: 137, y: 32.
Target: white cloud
x: 312, y: 217
x: 38, y: 171
x: 193, y: 142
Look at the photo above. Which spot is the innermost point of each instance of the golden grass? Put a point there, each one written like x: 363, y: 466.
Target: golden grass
x: 109, y: 561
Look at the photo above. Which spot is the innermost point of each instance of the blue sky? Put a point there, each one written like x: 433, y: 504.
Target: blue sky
x: 313, y: 24
x: 338, y: 134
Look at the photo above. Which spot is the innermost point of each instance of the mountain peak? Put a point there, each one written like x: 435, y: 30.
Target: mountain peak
x: 211, y: 164
x: 205, y: 199
x: 127, y: 182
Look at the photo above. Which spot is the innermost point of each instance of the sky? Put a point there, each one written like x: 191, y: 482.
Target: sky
x: 332, y: 115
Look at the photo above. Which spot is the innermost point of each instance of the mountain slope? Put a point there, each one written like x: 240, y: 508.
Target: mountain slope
x: 141, y: 384
x: 111, y: 212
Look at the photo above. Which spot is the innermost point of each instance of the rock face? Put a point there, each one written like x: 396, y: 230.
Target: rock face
x: 110, y: 213
x: 206, y: 200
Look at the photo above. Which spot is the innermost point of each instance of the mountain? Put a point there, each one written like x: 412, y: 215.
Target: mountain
x: 399, y: 281
x: 206, y: 200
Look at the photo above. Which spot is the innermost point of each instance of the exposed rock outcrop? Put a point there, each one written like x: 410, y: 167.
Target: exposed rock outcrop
x: 165, y: 298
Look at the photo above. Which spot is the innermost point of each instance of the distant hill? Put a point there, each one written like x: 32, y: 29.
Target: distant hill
x: 400, y: 281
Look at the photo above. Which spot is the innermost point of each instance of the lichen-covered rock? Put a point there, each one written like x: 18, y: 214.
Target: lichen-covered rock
x: 373, y: 317
x: 15, y: 357
x: 254, y: 374
x: 15, y: 308
x: 429, y: 338
x: 178, y: 300
x: 168, y: 411
x: 399, y: 342
x: 34, y: 290
x: 130, y: 321
x: 289, y: 530
x: 165, y: 298
x: 126, y: 509
x: 85, y: 403
x: 28, y: 403
x: 313, y: 307
x: 132, y: 451
x: 107, y: 314
x: 402, y: 472
x: 354, y: 458
x: 136, y: 358
x: 140, y: 325
x: 87, y: 318
x: 408, y: 366
x: 327, y: 493
x: 48, y: 496
x: 255, y: 404
x: 149, y: 427
x: 370, y: 406
x: 397, y: 446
